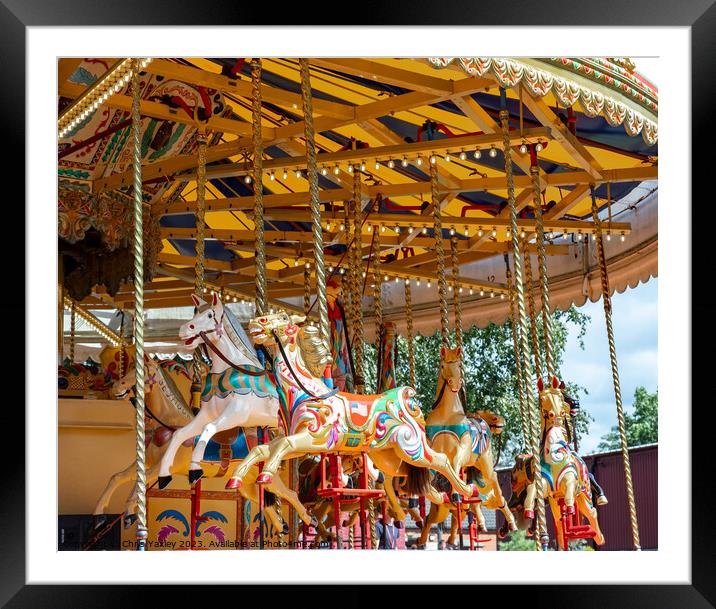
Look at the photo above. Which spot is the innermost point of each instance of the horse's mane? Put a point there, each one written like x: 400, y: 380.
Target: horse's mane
x: 315, y: 354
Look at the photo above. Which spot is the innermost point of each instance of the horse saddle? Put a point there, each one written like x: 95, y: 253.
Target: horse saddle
x: 359, y: 409
x: 228, y: 436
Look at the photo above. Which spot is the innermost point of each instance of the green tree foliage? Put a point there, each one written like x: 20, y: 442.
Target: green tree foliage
x: 490, y: 371
x: 642, y: 425
x: 517, y: 542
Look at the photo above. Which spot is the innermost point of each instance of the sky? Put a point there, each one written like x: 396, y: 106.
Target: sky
x: 634, y: 317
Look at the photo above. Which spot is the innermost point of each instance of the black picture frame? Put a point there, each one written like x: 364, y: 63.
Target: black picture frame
x: 699, y: 15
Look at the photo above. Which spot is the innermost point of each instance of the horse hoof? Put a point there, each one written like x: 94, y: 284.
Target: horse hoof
x: 164, y: 481
x: 513, y: 527
x: 602, y: 500
x: 483, y: 529
x: 264, y: 478
x: 529, y: 514
x: 195, y: 474
x: 451, y: 546
x: 233, y: 483
x: 420, y: 546
x: 129, y: 520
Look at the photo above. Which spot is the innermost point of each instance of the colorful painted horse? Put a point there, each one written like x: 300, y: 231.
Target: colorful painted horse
x: 237, y: 392
x: 319, y: 419
x: 167, y: 388
x: 466, y: 440
x: 565, y: 478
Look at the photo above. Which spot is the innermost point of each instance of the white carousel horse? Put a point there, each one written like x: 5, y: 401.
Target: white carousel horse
x: 389, y: 427
x: 167, y: 387
x: 237, y: 391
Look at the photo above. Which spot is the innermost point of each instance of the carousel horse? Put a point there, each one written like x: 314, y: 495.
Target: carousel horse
x: 237, y: 392
x: 389, y: 427
x: 565, y: 478
x: 466, y: 440
x: 167, y: 387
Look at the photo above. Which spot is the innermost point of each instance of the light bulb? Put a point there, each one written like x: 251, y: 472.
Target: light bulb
x: 502, y: 296
x: 341, y: 227
x: 247, y: 179
x: 623, y: 237
x: 377, y: 165
x: 324, y: 171
x: 450, y: 288
x: 407, y: 281
x: 385, y: 278
x: 482, y: 292
x: 425, y: 230
x: 479, y: 232
x: 493, y: 152
x: 295, y: 263
x: 507, y: 233
x: 452, y: 231
x: 538, y: 147
x: 609, y: 237
x: 522, y: 234
x: 419, y: 161
x: 410, y: 229
x: 579, y: 236
x: 391, y: 164
x: 470, y: 291
x: 272, y: 177
x: 328, y: 226
x: 397, y: 228
x: 417, y: 282
x: 462, y: 155
x: 494, y: 232
x: 336, y: 170
x: 448, y: 158
x: 341, y: 271
x: 330, y: 268
x: 492, y: 294
x: 478, y: 153
x: 397, y: 280
x: 350, y: 168
x: 382, y: 228
x: 370, y: 228
x: 362, y: 166
x: 433, y: 159
x: 404, y: 162
x: 285, y: 174
x: 467, y: 232
x: 523, y: 148
x: 298, y: 173
x: 460, y: 290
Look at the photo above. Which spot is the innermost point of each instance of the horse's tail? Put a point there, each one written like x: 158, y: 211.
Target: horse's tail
x: 269, y: 499
x: 417, y: 480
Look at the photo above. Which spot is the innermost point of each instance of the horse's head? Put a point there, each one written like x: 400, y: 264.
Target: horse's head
x: 554, y: 408
x: 263, y: 330
x: 208, y: 318
x: 450, y: 368
x: 123, y: 387
x: 495, y: 422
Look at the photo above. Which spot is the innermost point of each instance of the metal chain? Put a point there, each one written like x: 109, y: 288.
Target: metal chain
x: 514, y: 323
x: 606, y: 299
x: 261, y: 297
x: 440, y: 256
x: 544, y: 282
x: 536, y: 353
x: 139, y: 312
x: 312, y: 171
x: 409, y: 331
x: 524, y: 345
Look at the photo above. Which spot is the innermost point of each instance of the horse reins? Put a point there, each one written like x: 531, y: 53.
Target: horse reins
x: 295, y: 376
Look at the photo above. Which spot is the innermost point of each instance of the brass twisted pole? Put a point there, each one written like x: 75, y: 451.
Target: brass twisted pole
x: 356, y: 285
x: 312, y: 175
x: 514, y: 323
x: 440, y: 256
x: 261, y: 297
x: 409, y: 331
x: 72, y: 333
x: 306, y: 290
x: 536, y: 353
x: 139, y: 311
x: 378, y: 319
x: 606, y: 299
x: 456, y: 295
x: 524, y: 345
x: 542, y: 261
x: 199, y: 248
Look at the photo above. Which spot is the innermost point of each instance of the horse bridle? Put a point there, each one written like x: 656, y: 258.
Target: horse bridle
x: 295, y: 376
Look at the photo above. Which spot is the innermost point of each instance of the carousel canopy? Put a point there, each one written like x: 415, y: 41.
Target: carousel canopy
x: 592, y: 121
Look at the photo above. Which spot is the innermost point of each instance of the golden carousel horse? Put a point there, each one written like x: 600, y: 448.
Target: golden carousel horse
x: 167, y: 391
x: 565, y: 479
x: 466, y: 440
x: 388, y: 427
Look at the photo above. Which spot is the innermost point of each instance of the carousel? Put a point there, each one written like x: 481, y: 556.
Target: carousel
x: 232, y: 233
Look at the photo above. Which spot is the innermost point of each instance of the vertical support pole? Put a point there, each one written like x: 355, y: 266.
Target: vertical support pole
x: 524, y: 346
x: 261, y: 298
x: 606, y: 299
x: 456, y: 296
x: 312, y: 174
x: 440, y: 256
x: 139, y: 310
x: 60, y: 309
x: 409, y: 331
x: 532, y: 311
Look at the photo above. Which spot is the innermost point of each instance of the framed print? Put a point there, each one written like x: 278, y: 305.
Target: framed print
x: 322, y: 291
